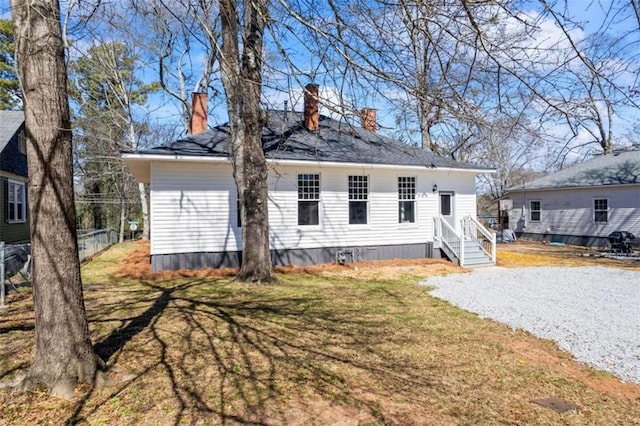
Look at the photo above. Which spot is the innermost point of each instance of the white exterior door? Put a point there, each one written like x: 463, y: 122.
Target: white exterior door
x: 447, y: 207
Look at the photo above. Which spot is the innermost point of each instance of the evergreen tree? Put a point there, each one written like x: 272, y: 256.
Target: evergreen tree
x: 105, y: 91
x: 10, y: 97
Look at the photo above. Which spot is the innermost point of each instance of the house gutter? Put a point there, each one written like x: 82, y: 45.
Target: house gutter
x: 220, y: 160
x: 561, y: 188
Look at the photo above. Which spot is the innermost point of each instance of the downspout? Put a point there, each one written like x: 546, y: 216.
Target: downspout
x: 461, y: 242
x: 526, y: 210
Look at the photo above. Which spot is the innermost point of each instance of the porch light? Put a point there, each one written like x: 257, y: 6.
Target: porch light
x: 435, y: 187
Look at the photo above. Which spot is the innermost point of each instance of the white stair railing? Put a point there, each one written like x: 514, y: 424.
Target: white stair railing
x: 449, y: 238
x: 474, y: 230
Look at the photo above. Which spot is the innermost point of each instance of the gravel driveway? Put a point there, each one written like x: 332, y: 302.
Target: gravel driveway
x: 592, y: 312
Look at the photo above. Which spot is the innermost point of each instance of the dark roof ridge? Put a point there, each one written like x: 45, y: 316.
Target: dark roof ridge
x: 335, y: 141
x: 621, y: 168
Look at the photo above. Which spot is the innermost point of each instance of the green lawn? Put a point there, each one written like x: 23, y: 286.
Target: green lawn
x: 308, y: 350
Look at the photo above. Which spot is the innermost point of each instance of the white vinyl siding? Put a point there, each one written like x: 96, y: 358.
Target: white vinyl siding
x: 382, y: 228
x: 193, y: 205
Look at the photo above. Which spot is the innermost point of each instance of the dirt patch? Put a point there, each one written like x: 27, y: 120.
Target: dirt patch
x: 532, y: 253
x: 519, y: 254
x: 137, y: 266
x: 320, y: 411
x: 533, y: 350
x: 384, y: 270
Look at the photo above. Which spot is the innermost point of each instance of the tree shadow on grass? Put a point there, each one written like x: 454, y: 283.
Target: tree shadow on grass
x: 239, y: 356
x: 106, y: 348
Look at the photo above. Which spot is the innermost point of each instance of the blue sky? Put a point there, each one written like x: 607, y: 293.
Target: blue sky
x: 165, y: 110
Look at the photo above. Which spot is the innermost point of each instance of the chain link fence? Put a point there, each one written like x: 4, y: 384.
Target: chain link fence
x: 93, y: 242
x: 16, y: 258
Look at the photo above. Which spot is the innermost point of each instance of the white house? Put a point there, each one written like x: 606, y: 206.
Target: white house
x: 334, y: 190
x: 582, y: 204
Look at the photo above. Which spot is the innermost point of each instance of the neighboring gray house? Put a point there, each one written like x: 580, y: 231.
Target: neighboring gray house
x: 14, y: 224
x: 582, y: 204
x: 334, y: 190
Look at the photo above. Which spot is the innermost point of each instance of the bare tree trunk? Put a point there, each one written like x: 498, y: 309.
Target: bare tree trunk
x: 123, y: 217
x: 146, y: 223
x: 242, y: 81
x: 63, y: 351
x: 425, y: 127
x: 142, y: 192
x: 96, y: 208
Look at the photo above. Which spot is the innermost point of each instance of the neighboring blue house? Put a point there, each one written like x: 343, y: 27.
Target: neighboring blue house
x: 14, y: 224
x: 581, y: 204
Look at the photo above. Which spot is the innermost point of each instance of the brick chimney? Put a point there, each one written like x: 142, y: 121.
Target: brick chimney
x: 311, y: 115
x: 368, y: 119
x: 198, y: 113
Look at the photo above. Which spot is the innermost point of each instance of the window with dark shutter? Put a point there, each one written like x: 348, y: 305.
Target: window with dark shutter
x: 238, y: 211
x: 5, y: 199
x: 16, y: 196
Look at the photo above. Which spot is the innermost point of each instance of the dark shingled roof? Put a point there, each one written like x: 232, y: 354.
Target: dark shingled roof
x: 334, y: 142
x: 619, y: 168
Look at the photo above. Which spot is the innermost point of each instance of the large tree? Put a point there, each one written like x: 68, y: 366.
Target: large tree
x: 241, y: 74
x: 63, y: 351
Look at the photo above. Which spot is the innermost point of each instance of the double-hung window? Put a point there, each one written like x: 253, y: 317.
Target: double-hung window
x: 358, y: 199
x: 534, y: 211
x: 17, y: 201
x: 601, y: 210
x: 308, y: 199
x: 406, y: 199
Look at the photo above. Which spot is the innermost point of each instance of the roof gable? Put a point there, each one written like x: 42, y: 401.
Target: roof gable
x: 619, y: 168
x: 10, y: 122
x: 284, y: 137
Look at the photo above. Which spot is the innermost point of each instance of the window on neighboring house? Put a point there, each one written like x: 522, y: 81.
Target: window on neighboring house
x: 308, y: 199
x: 406, y: 199
x: 601, y: 210
x: 358, y: 199
x: 16, y: 202
x: 22, y: 143
x: 534, y: 211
